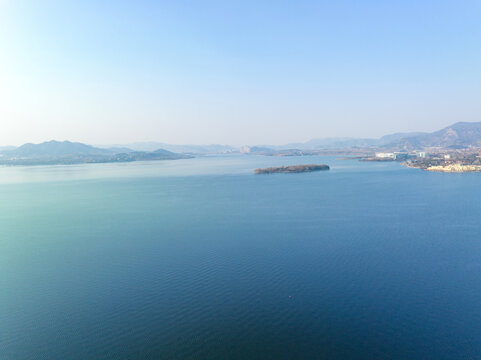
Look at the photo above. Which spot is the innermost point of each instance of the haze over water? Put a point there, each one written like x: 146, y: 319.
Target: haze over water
x: 202, y: 259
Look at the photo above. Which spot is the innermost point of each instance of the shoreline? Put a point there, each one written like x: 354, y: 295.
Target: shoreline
x: 449, y: 168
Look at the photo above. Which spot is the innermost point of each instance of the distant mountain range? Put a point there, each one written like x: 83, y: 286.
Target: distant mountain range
x: 66, y: 152
x: 55, y: 149
x: 342, y: 143
x: 186, y: 149
x: 457, y: 136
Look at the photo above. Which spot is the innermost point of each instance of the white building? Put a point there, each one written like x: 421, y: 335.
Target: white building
x: 245, y: 150
x: 385, y: 155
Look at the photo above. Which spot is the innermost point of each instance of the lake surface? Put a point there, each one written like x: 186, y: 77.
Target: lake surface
x: 201, y: 259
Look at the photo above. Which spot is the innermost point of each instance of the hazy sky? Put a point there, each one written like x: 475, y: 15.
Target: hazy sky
x: 237, y: 72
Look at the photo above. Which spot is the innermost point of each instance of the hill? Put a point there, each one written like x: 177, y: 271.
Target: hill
x: 66, y: 152
x: 55, y: 149
x: 459, y: 135
x: 344, y: 143
x: 388, y: 139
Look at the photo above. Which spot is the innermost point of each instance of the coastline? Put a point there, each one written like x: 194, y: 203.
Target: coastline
x: 450, y: 168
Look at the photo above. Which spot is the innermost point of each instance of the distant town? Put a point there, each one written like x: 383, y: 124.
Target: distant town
x: 439, y: 160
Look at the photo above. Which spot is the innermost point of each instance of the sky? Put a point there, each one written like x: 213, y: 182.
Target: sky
x: 235, y: 72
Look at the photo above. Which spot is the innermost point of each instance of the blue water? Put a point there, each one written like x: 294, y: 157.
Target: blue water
x: 201, y: 259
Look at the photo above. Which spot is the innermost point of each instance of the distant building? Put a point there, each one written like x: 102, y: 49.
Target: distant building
x: 421, y: 154
x: 447, y: 157
x: 245, y: 150
x: 385, y: 155
x: 401, y: 156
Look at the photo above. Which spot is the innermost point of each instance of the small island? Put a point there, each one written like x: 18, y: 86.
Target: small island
x: 292, y: 169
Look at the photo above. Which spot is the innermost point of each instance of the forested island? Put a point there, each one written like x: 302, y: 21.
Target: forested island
x: 292, y: 169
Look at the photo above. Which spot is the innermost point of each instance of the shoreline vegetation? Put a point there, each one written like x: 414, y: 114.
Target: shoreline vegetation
x: 292, y: 169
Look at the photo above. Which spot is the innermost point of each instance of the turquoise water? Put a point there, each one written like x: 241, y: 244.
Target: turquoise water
x: 201, y: 259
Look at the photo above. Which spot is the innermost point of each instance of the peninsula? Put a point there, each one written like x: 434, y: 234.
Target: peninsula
x: 292, y: 169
